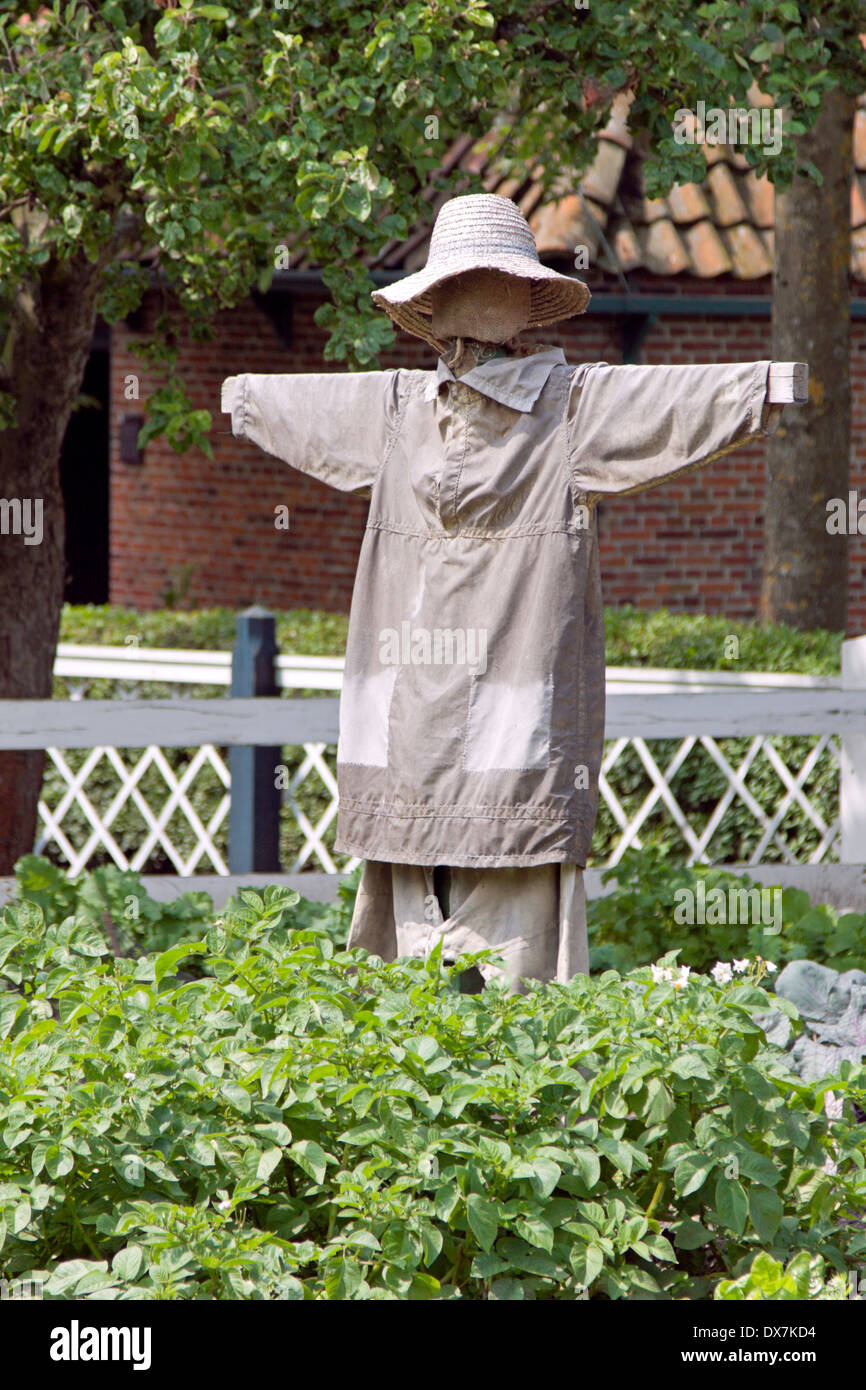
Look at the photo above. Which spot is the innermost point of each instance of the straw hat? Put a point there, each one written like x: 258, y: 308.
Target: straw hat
x: 481, y: 231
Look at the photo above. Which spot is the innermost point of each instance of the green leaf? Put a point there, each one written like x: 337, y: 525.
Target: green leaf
x: 690, y: 1064
x: 445, y: 1200
x: 21, y: 1217
x: 237, y: 1097
x: 268, y: 1162
x: 706, y: 52
x: 59, y: 1161
x: 690, y: 1235
x: 661, y: 1103
x: 731, y: 1203
x: 165, y: 963
x: 536, y: 1230
x: 758, y: 1167
x: 68, y: 1274
x: 356, y: 200
x: 311, y: 1158
x: 546, y: 1175
x: 508, y: 1290
x: 127, y: 1262
x: 73, y: 219
x: 202, y: 1150
x: 11, y: 1007
x: 87, y: 941
x: 482, y: 1218
x: 659, y: 1247
x: 692, y: 1172
x: 167, y: 31
x: 587, y: 1263
x: 765, y: 1210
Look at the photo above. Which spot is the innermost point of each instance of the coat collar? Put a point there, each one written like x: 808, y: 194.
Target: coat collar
x: 513, y: 381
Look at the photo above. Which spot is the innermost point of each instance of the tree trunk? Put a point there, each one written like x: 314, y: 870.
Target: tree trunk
x: 51, y: 330
x: 805, y: 581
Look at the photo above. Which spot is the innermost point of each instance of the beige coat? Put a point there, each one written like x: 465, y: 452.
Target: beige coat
x: 472, y: 711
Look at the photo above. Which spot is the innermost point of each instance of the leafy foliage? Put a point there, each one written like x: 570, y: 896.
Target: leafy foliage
x: 702, y: 642
x: 804, y: 1277
x: 303, y: 631
x: 636, y: 923
x: 207, y: 140
x: 300, y: 1121
x: 114, y: 904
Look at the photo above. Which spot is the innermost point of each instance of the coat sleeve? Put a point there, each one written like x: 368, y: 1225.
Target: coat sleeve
x: 335, y: 426
x: 632, y: 428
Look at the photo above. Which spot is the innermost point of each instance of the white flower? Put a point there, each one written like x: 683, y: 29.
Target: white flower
x: 741, y: 965
x: 660, y: 1021
x: 129, y: 1076
x: 721, y: 972
x: 683, y: 977
x: 224, y: 1204
x: 768, y: 965
x: 660, y: 973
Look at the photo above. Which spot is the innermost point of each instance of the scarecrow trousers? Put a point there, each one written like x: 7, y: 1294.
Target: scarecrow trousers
x: 534, y: 918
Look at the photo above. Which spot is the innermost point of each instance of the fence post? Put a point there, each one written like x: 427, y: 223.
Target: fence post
x: 852, y: 765
x: 254, y: 817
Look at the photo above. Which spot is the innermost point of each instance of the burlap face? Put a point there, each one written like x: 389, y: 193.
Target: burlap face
x: 486, y: 305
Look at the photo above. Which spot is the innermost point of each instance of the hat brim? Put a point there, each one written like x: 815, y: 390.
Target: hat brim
x: 554, y: 296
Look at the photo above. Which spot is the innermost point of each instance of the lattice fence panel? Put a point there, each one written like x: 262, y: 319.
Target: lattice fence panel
x: 718, y: 800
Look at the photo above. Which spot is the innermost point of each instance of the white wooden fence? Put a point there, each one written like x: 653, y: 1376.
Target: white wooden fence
x: 695, y: 708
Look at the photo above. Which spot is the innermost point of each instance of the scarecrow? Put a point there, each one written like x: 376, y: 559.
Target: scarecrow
x: 472, y: 709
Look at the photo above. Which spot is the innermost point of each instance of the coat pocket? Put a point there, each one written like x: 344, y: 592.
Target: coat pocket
x: 365, y: 707
x: 508, y: 727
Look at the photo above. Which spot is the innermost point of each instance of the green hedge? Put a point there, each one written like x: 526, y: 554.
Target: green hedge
x: 301, y: 631
x: 295, y: 1121
x: 634, y: 638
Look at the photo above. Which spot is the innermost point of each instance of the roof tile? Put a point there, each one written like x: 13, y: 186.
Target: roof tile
x: 761, y: 198
x: 707, y: 254
x: 617, y: 127
x: 601, y: 180
x: 748, y: 256
x: 728, y: 207
x: 860, y: 140
x: 687, y: 202
x: 561, y: 226
x: 663, y: 250
x: 722, y: 226
x: 858, y: 253
x: 653, y: 210
x: 627, y: 247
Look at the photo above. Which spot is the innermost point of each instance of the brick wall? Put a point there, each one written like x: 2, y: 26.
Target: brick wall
x: 182, y: 519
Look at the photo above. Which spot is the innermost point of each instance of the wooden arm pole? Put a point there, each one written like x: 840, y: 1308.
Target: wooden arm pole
x: 788, y: 383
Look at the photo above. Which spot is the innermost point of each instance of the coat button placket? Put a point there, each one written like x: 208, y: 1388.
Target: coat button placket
x: 456, y: 445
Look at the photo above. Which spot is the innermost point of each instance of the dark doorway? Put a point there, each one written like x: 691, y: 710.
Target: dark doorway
x: 84, y: 479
